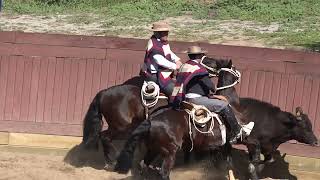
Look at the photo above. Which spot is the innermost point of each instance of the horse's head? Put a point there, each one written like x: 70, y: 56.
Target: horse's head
x: 210, y: 64
x: 302, y: 128
x: 228, y: 77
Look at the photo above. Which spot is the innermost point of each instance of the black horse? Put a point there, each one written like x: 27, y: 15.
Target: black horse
x: 164, y: 133
x: 122, y: 108
x: 272, y: 125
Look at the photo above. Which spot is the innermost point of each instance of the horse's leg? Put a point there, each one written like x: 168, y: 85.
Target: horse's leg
x: 254, y: 155
x: 106, y: 141
x: 107, y: 137
x: 167, y: 165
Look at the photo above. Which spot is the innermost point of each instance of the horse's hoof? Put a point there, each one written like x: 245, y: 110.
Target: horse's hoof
x: 109, y: 167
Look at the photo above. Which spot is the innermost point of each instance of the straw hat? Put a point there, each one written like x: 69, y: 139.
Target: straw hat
x: 160, y: 26
x: 195, y: 50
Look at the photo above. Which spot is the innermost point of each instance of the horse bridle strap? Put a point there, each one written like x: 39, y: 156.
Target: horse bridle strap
x: 234, y: 72
x: 208, y: 67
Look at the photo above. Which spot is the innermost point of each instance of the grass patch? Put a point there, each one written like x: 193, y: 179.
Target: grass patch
x: 298, y: 19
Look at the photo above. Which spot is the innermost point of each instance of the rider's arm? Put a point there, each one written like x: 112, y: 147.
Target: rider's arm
x: 162, y: 61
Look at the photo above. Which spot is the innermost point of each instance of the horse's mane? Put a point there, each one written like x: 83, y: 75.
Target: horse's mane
x: 259, y: 104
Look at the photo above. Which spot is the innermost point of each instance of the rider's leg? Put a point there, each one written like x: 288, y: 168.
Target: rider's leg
x: 228, y: 114
x: 224, y: 109
x: 168, y: 89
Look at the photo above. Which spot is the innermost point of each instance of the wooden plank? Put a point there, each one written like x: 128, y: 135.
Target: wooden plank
x: 49, y: 90
x: 18, y: 88
x: 44, y: 63
x: 3, y: 81
x: 64, y: 91
x: 35, y: 79
x: 261, y: 54
x: 290, y: 93
x: 120, y: 73
x: 253, y: 83
x: 57, y: 90
x: 87, y: 86
x: 260, y: 85
x: 245, y: 78
x: 306, y: 93
x: 7, y: 49
x: 78, y: 116
x: 7, y: 36
x: 72, y: 92
x: 104, y: 74
x: 25, y: 100
x: 112, y: 73
x: 125, y: 55
x: 9, y: 100
x: 58, y: 51
x: 314, y: 104
x: 96, y: 78
x: 283, y: 91
x: 60, y: 40
x: 41, y: 128
x: 316, y: 127
x: 298, y: 95
x: 299, y: 68
x: 275, y: 92
x: 268, y: 85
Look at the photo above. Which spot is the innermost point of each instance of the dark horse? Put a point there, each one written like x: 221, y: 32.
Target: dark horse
x: 272, y: 125
x: 164, y: 133
x: 272, y: 128
x: 122, y: 108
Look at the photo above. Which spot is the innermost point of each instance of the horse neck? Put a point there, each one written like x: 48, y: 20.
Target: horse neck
x: 225, y: 79
x: 136, y: 81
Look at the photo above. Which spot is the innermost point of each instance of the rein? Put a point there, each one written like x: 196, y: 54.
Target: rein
x: 234, y: 72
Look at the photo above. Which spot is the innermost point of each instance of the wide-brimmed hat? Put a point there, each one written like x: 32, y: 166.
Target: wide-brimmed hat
x: 195, y: 50
x: 160, y: 26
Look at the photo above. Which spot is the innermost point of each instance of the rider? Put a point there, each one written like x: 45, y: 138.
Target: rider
x: 160, y: 61
x: 194, y: 85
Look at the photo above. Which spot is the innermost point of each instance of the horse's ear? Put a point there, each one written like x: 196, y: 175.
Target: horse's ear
x: 299, y: 112
x: 230, y: 63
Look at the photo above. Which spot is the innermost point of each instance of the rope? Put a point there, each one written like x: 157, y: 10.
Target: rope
x: 192, y: 118
x: 236, y: 73
x: 211, y: 116
x: 154, y: 95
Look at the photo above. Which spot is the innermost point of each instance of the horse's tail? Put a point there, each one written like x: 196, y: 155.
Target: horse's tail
x: 92, y: 124
x: 124, y: 160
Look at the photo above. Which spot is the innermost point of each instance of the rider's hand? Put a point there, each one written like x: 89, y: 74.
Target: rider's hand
x: 178, y: 63
x: 220, y: 97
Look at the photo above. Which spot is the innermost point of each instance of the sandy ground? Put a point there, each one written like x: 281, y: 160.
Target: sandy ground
x: 77, y: 165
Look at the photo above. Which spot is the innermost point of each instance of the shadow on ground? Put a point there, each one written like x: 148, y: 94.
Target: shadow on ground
x: 201, y: 168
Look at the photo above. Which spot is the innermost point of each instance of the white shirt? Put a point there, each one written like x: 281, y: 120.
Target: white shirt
x: 161, y: 60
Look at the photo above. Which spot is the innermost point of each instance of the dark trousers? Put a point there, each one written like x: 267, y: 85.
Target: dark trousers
x: 167, y: 90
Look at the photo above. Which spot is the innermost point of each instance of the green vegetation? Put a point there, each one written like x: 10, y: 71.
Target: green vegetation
x: 299, y: 20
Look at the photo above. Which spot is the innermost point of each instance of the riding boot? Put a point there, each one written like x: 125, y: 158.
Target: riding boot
x: 228, y: 114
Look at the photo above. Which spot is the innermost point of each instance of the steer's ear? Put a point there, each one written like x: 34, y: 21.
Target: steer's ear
x: 299, y: 113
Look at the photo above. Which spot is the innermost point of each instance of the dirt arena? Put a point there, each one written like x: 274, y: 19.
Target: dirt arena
x: 77, y: 165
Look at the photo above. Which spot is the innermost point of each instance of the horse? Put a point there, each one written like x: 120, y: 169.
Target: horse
x: 164, y: 133
x: 123, y: 111
x: 272, y: 125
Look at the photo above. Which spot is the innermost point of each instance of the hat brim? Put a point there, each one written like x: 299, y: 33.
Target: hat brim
x: 160, y: 29
x: 202, y: 52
